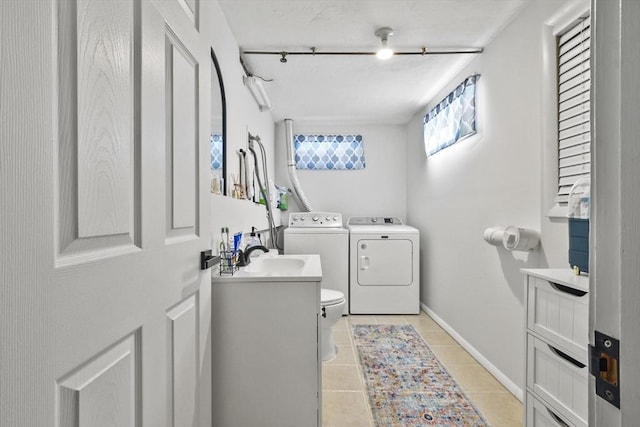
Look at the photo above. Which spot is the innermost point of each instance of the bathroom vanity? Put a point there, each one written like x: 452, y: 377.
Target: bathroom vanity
x: 265, y: 334
x: 556, y: 348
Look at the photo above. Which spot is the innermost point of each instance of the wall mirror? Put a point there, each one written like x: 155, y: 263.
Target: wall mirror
x: 218, y: 130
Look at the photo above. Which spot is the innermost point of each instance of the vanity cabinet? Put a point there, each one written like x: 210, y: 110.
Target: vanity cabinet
x: 266, y: 364
x: 556, y: 348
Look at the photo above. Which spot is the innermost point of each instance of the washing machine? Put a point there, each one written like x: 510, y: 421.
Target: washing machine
x: 384, y: 266
x: 322, y: 233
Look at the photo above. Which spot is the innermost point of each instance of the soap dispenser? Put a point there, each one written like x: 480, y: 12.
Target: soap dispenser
x: 253, y: 238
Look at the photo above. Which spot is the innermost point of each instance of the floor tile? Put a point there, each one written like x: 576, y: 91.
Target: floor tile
x: 360, y: 319
x: 390, y: 320
x: 424, y: 323
x: 341, y: 377
x: 474, y: 378
x: 345, y: 401
x: 453, y: 355
x: 436, y: 337
x: 500, y: 409
x: 345, y: 356
x: 341, y: 336
x: 345, y: 409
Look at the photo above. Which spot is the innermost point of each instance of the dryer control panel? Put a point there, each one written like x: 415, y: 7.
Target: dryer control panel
x: 315, y: 220
x: 374, y: 220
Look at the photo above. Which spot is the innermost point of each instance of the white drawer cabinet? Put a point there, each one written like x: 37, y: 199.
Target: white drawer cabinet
x: 539, y: 415
x: 556, y: 348
x: 558, y: 313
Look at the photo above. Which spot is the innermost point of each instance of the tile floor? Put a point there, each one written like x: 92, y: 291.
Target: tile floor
x: 344, y: 396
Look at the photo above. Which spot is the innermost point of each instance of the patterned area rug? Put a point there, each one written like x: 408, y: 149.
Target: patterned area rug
x: 407, y: 385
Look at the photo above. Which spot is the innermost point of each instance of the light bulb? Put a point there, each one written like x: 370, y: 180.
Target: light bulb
x: 384, y: 53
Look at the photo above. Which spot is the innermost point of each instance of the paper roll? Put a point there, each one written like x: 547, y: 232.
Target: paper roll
x: 520, y: 239
x: 494, y: 235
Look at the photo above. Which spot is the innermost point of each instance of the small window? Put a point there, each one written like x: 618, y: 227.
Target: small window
x: 574, y: 123
x: 453, y: 119
x: 215, y: 150
x: 329, y: 152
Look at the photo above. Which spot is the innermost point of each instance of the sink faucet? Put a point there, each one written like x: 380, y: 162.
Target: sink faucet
x: 244, y: 258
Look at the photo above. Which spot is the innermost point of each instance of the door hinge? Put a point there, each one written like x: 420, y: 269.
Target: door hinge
x: 605, y: 367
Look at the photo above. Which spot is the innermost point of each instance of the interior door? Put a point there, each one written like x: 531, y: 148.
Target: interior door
x: 104, y: 143
x: 385, y: 262
x: 615, y: 217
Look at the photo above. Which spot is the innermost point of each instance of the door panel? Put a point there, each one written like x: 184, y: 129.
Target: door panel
x: 104, y: 391
x: 183, y: 348
x: 97, y: 164
x: 182, y: 135
x: 191, y: 8
x: 615, y: 213
x: 105, y: 97
x: 108, y: 322
x: 385, y: 262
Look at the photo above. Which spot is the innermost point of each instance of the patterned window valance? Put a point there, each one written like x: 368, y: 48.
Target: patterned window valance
x: 329, y: 152
x: 453, y: 119
x: 216, y: 151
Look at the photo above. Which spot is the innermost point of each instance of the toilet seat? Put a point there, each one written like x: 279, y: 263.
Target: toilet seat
x: 330, y: 297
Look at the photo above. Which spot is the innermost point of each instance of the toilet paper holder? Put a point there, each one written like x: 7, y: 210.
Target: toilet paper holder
x: 512, y: 238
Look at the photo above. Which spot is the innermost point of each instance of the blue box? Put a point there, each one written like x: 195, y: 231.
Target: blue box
x: 579, y: 244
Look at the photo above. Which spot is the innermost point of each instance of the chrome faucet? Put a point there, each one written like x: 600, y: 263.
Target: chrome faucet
x: 244, y: 258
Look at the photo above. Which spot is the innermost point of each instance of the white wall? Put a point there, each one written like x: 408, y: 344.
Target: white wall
x: 242, y: 116
x: 492, y: 178
x: 379, y: 189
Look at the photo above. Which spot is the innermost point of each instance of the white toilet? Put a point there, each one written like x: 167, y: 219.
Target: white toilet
x: 332, y: 304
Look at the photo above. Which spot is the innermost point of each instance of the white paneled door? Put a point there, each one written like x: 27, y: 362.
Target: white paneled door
x: 615, y: 214
x: 103, y: 163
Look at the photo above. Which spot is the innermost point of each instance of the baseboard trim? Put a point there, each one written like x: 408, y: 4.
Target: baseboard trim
x: 497, y: 373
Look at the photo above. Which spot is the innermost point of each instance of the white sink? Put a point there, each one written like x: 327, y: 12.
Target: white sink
x: 277, y: 268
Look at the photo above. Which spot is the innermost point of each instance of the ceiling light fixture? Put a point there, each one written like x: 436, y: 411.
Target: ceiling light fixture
x: 385, y: 52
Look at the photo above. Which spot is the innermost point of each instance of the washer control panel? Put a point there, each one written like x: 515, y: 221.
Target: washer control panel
x: 374, y: 220
x: 315, y: 219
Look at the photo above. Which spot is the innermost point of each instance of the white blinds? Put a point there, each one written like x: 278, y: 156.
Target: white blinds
x: 574, y: 127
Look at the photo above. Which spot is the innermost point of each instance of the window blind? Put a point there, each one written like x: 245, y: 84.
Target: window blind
x: 453, y: 119
x: 216, y: 151
x: 329, y: 152
x: 574, y: 124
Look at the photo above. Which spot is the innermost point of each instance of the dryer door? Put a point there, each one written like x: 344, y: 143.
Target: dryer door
x: 385, y: 262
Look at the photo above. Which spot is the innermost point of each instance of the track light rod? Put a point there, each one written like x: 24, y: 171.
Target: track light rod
x: 314, y: 52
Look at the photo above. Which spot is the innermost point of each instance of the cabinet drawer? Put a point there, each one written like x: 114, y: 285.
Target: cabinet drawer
x: 560, y: 314
x: 539, y: 415
x: 559, y: 380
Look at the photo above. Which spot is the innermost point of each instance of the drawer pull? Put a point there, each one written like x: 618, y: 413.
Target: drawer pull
x: 557, y: 419
x: 567, y: 289
x: 566, y: 357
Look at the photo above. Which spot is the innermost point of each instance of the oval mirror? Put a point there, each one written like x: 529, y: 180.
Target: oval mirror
x: 218, y: 129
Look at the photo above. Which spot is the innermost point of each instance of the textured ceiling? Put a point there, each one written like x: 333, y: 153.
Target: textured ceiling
x: 360, y: 88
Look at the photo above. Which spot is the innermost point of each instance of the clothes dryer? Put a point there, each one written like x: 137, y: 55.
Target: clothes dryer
x: 384, y: 266
x: 322, y: 233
